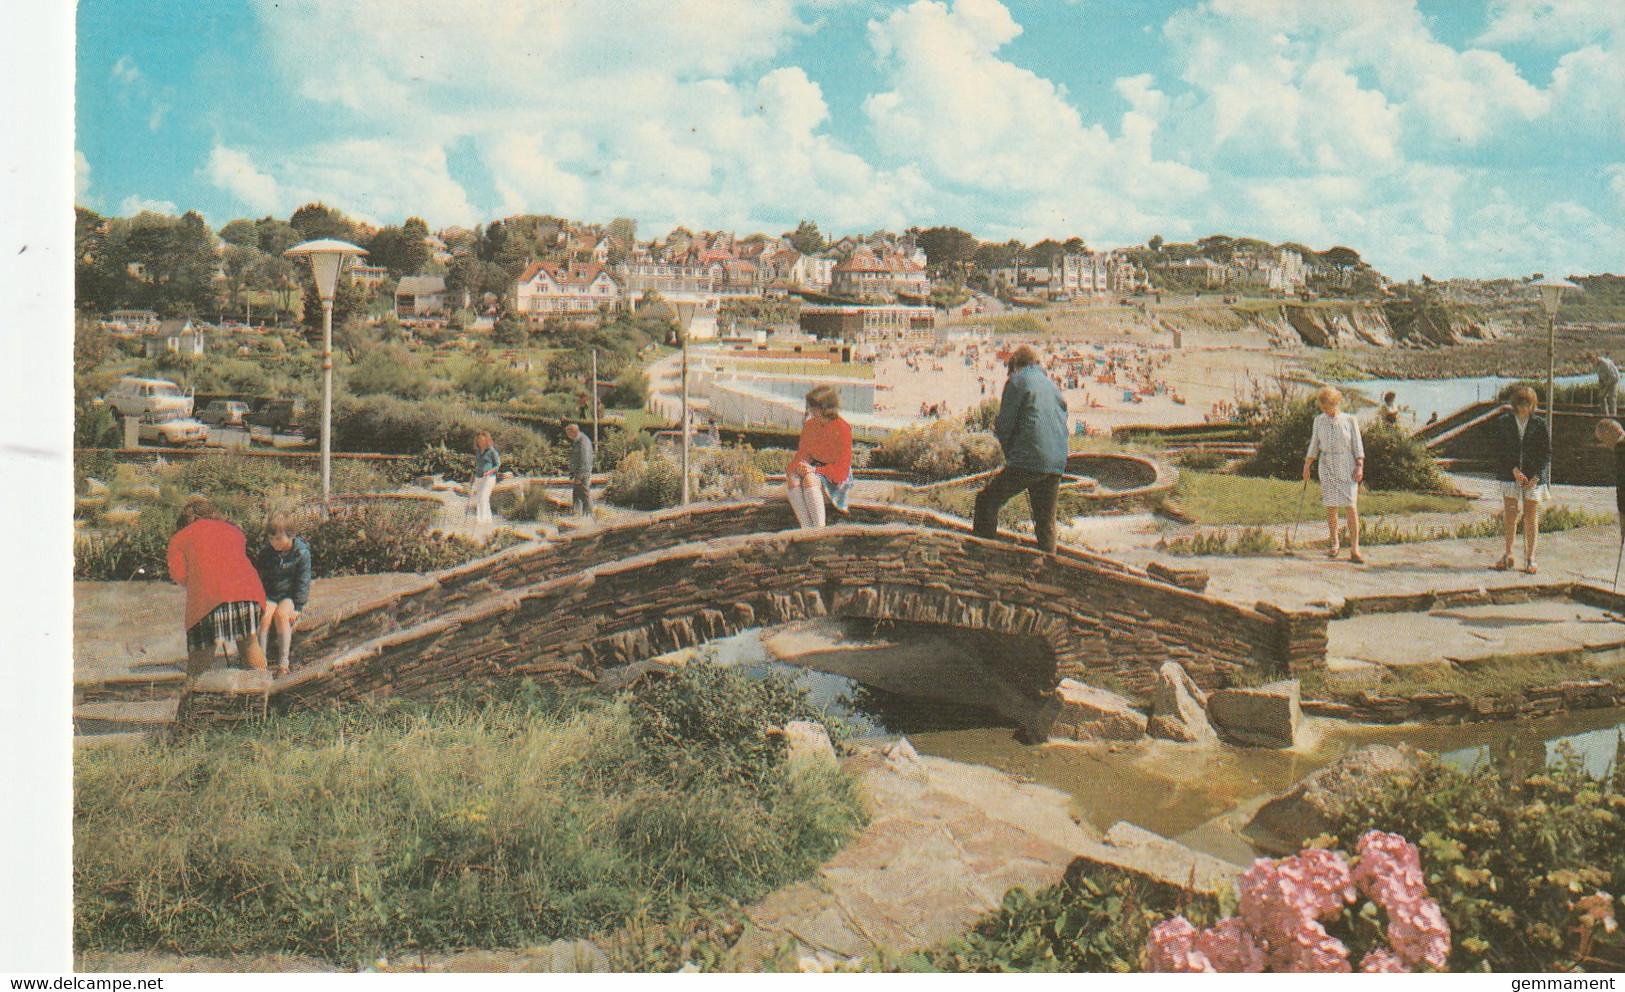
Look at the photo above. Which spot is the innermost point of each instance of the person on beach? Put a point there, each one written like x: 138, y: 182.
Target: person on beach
x: 1031, y: 428
x: 581, y: 456
x: 1607, y: 386
x: 1523, y: 450
x: 487, y: 460
x: 224, y: 597
x: 1335, y: 442
x: 823, y: 459
x: 284, y: 570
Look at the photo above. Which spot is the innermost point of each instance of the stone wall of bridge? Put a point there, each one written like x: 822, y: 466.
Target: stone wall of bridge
x: 511, y: 618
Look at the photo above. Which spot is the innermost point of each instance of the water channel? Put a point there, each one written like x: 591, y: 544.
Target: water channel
x: 1198, y: 796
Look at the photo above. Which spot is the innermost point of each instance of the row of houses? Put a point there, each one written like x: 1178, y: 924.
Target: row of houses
x: 1279, y: 270
x: 1074, y: 275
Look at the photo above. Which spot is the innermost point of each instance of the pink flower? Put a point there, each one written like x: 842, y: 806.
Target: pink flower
x: 1380, y: 960
x: 1312, y: 949
x: 1169, y: 948
x: 1390, y: 869
x: 1230, y: 948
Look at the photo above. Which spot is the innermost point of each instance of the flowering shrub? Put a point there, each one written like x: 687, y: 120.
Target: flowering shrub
x: 1284, y: 905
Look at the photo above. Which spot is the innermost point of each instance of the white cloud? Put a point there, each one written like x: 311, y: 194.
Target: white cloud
x: 81, y: 178
x: 125, y: 71
x: 983, y: 129
x: 1551, y: 22
x: 1616, y: 182
x: 133, y: 205
x: 234, y: 172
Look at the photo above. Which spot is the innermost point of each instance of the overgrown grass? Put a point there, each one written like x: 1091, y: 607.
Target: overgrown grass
x: 472, y: 822
x: 1247, y: 541
x: 1218, y: 498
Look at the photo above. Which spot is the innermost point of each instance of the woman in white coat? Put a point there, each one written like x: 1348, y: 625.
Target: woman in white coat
x: 1336, y: 444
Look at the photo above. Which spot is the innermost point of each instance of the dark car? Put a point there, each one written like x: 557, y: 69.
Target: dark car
x: 224, y: 413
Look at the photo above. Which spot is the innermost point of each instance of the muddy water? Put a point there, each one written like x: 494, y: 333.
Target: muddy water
x: 1199, y: 796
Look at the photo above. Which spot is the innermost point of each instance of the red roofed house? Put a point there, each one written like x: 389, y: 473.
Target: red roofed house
x: 868, y: 276
x: 549, y: 288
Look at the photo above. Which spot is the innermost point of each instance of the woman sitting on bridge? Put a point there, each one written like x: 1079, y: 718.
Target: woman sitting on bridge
x: 823, y: 459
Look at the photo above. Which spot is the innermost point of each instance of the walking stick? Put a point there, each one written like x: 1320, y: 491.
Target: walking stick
x: 1297, y: 518
x: 1621, y: 557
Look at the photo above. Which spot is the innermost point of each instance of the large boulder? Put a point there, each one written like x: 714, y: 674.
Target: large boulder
x: 1178, y: 707
x: 1286, y: 823
x: 1265, y: 716
x: 1090, y: 714
x: 808, y: 746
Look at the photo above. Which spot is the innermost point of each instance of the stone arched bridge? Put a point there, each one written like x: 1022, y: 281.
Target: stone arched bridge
x: 578, y: 605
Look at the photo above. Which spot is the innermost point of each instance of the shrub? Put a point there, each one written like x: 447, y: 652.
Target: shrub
x: 389, y: 425
x: 1393, y: 459
x: 493, y: 381
x: 390, y: 370
x: 729, y: 473
x: 645, y: 482
x: 938, y: 451
x: 1516, y: 860
x: 371, y: 537
x: 630, y: 392
x: 140, y: 550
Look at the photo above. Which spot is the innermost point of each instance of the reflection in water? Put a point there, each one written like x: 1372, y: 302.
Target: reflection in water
x: 1192, y: 794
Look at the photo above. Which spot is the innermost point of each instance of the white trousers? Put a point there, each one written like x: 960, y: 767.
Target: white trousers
x: 482, y: 498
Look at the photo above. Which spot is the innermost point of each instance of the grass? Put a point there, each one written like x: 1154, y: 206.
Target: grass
x: 1254, y: 540
x: 1217, y: 498
x: 1247, y: 541
x: 477, y: 822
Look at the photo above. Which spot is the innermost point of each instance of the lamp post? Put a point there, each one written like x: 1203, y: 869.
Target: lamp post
x: 327, y: 257
x: 1551, y: 294
x: 685, y: 319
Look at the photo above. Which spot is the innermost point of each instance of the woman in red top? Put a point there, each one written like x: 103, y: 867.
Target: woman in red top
x: 224, y: 597
x: 823, y: 459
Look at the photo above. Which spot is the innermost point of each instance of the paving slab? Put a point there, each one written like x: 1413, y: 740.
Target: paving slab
x: 1469, y: 634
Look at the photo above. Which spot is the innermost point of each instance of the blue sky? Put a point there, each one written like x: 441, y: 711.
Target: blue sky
x: 1446, y: 138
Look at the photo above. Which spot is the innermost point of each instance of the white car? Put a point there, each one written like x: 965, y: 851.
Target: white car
x: 134, y: 396
x: 173, y: 428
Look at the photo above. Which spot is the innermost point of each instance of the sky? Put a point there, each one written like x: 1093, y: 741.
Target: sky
x: 1439, y: 137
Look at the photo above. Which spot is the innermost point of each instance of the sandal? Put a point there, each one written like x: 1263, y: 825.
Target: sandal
x: 1354, y: 556
x: 282, y: 671
x: 1503, y: 565
x: 1334, y: 552
x: 1530, y: 568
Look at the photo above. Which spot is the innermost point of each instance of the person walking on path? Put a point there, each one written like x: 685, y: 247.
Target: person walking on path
x: 284, y: 569
x: 1609, y: 434
x: 823, y: 459
x: 224, y: 597
x: 1523, y: 453
x: 1607, y: 386
x: 487, y: 460
x: 581, y: 456
x: 1335, y: 442
x: 1031, y: 428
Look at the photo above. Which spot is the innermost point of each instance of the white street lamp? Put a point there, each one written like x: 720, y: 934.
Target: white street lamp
x: 327, y: 257
x: 685, y: 320
x: 1551, y: 294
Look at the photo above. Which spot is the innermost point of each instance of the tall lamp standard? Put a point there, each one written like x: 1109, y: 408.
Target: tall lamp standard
x: 685, y: 320
x: 327, y: 257
x: 1551, y: 294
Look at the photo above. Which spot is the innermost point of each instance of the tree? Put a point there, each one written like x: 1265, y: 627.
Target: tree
x: 947, y: 246
x: 1075, y: 246
x: 239, y: 262
x: 1155, y: 244
x: 276, y: 236
x: 317, y: 220
x: 623, y: 231
x: 511, y: 330
x: 806, y: 238
x: 241, y: 231
x: 1045, y: 253
x: 349, y: 303
x: 1341, y: 257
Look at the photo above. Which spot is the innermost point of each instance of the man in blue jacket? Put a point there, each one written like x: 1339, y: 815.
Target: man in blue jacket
x: 1032, y: 432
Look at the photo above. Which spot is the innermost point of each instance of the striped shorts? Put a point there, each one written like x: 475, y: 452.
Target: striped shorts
x: 228, y: 622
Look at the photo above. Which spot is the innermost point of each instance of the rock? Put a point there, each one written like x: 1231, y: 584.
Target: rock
x: 1266, y: 716
x: 1284, y: 824
x: 95, y: 487
x: 1194, y: 579
x: 119, y: 516
x: 1090, y: 714
x: 902, y: 758
x: 575, y: 956
x: 809, y: 746
x: 1177, y: 707
x: 1162, y: 863
x: 142, y: 492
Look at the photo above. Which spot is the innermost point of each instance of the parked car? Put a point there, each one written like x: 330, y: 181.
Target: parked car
x: 174, y: 428
x: 133, y: 396
x: 224, y: 413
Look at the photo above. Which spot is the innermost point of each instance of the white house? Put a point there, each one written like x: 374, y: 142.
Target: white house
x: 416, y: 296
x: 182, y: 337
x: 550, y: 288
